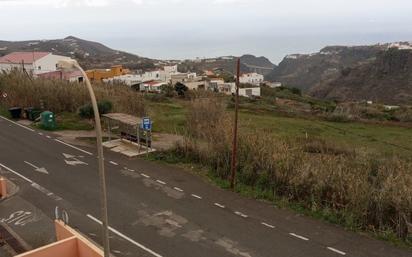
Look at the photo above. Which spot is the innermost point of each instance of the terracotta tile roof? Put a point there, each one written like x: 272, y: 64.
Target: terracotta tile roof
x: 18, y: 57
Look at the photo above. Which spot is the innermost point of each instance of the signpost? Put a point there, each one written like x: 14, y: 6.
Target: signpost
x: 147, y: 128
x: 147, y: 124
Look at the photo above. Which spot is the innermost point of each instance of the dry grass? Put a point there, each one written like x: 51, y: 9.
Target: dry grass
x: 366, y: 192
x: 60, y: 96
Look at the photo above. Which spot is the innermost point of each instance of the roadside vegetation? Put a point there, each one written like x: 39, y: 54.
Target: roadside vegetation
x: 347, y: 186
x: 346, y: 163
x: 70, y: 101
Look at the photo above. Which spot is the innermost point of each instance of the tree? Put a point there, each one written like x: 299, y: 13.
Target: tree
x: 180, y: 88
x: 167, y: 90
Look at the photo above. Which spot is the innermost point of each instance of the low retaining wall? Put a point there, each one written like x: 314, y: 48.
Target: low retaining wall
x: 69, y: 243
x: 3, y: 188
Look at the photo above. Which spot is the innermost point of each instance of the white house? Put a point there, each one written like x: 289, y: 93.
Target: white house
x: 251, y: 78
x: 230, y: 88
x: 128, y: 79
x: 152, y: 86
x: 33, y: 62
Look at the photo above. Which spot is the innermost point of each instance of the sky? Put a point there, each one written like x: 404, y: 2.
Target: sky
x: 180, y: 29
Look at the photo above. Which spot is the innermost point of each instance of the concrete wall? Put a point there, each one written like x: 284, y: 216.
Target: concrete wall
x: 48, y: 63
x: 3, y: 188
x: 70, y: 244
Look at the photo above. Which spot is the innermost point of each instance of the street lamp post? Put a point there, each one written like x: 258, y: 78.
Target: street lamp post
x: 102, y: 176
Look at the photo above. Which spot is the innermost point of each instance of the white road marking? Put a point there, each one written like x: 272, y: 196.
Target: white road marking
x: 18, y: 124
x: 126, y: 168
x: 219, y: 205
x: 16, y: 173
x: 72, y: 146
x: 336, y: 251
x: 33, y: 184
x: 30, y: 164
x: 178, y: 189
x: 40, y: 188
x: 161, y: 182
x: 196, y: 196
x: 48, y: 136
x: 144, y: 175
x: 298, y: 236
x: 46, y: 192
x: 126, y: 237
x: 241, y: 214
x: 114, y: 163
x: 267, y: 225
x: 41, y: 170
x: 41, y: 134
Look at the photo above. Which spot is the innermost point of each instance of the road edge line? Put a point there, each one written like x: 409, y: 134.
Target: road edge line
x: 126, y: 237
x: 18, y: 124
x: 16, y: 173
x: 72, y: 146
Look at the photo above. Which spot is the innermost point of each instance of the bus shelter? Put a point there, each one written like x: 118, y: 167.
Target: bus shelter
x: 123, y: 127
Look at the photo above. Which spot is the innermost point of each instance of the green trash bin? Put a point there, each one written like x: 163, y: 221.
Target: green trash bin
x: 48, y: 120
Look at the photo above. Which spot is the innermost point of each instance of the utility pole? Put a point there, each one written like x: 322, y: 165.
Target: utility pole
x: 234, y: 147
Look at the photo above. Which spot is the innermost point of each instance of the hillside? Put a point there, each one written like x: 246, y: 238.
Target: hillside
x: 249, y: 63
x: 89, y: 54
x: 387, y: 79
x: 305, y: 71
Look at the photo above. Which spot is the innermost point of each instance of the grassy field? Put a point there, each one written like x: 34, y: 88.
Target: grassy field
x: 371, y: 138
x: 168, y: 117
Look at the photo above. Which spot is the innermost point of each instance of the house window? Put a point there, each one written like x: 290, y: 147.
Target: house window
x: 39, y: 68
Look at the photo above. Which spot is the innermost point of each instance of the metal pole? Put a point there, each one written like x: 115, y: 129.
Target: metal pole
x: 102, y: 176
x: 234, y: 149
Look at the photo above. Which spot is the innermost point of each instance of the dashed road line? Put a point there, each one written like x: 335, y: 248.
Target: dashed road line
x: 267, y: 225
x: 126, y: 168
x: 126, y: 237
x: 298, y: 236
x: 114, y: 163
x: 46, y: 192
x: 336, y: 250
x: 161, y: 182
x: 241, y: 214
x: 41, y: 134
x: 219, y: 205
x: 196, y: 196
x: 72, y: 146
x: 144, y: 175
x: 48, y: 137
x: 178, y: 189
x: 18, y: 124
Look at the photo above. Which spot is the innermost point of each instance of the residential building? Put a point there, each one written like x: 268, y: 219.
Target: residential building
x: 69, y: 75
x: 251, y: 78
x: 273, y: 84
x: 128, y: 79
x: 153, y: 86
x: 101, y: 74
x: 195, y: 85
x: 184, y: 77
x: 230, y: 88
x: 33, y: 62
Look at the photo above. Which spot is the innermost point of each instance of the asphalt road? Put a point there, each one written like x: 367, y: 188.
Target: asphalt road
x: 158, y: 210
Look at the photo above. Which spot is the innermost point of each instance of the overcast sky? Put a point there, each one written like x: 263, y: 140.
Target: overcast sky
x: 191, y: 28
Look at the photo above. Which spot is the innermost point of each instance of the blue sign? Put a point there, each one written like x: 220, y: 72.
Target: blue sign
x: 146, y: 123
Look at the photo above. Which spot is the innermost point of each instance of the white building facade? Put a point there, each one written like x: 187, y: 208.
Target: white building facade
x: 33, y: 62
x: 251, y: 78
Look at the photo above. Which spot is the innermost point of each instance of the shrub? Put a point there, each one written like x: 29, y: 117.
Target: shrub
x: 356, y: 189
x: 86, y: 111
